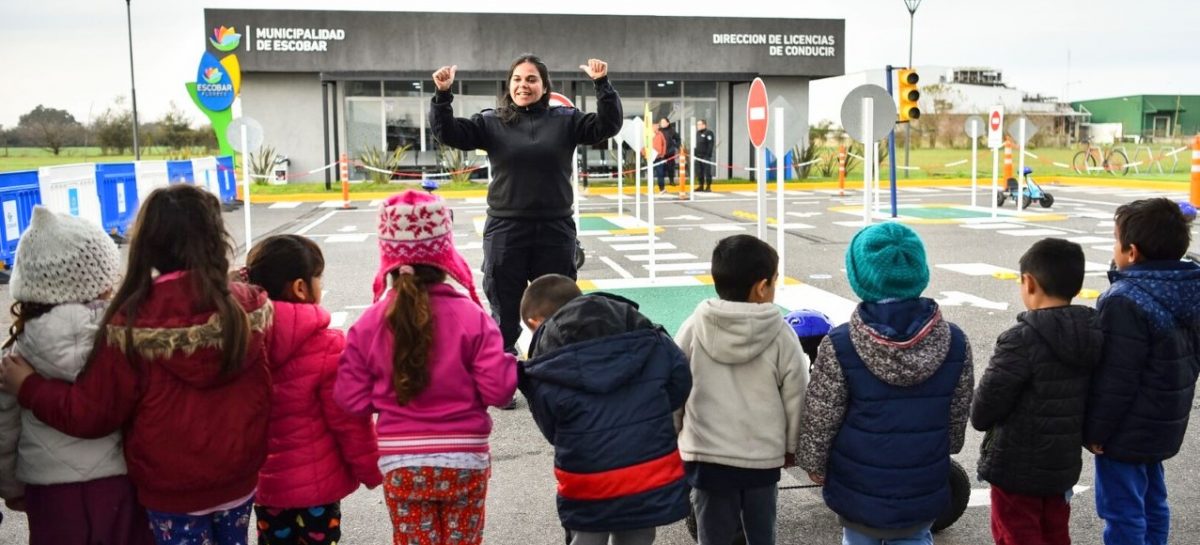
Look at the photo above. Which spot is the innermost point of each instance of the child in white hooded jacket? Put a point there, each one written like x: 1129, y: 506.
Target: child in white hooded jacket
x: 73, y: 490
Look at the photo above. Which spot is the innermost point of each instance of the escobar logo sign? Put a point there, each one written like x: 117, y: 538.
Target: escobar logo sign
x: 214, y: 87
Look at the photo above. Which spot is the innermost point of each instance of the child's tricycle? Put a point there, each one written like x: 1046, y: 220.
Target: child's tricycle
x: 1033, y: 192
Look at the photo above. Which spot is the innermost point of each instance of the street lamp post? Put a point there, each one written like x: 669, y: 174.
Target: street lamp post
x: 137, y: 152
x: 912, y: 6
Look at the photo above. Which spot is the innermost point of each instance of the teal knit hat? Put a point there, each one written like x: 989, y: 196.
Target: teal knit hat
x: 886, y: 261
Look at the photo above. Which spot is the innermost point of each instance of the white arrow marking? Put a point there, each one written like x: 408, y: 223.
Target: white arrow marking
x: 960, y: 299
x: 687, y: 217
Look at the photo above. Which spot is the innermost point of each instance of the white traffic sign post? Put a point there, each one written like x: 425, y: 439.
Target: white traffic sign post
x: 650, y: 213
x: 974, y: 129
x: 756, y: 127
x: 692, y: 157
x: 995, y: 140
x: 868, y: 115
x: 779, y: 188
x: 245, y: 134
x: 1023, y: 132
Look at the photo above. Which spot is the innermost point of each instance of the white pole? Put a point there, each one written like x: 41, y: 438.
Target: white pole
x: 1021, y: 164
x: 974, y: 164
x: 780, y: 173
x: 877, y: 189
x: 650, y: 232
x: 995, y: 180
x: 246, y: 183
x: 692, y: 158
x: 637, y: 184
x: 575, y: 185
x: 620, y: 180
x: 761, y: 198
x: 868, y: 112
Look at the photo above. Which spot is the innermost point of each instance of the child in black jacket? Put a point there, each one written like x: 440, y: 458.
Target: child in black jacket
x: 1032, y: 397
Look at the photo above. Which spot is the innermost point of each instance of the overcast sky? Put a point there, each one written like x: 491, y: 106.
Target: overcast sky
x: 73, y: 54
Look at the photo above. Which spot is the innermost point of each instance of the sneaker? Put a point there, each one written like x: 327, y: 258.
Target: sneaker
x: 662, y: 192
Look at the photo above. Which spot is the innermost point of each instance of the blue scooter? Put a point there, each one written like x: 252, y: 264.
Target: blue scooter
x: 1033, y: 192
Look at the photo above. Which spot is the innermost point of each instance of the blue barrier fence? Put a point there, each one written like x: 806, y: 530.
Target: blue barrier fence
x: 116, y: 187
x: 19, y: 192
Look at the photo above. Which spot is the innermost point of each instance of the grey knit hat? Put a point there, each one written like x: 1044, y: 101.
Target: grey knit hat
x: 63, y: 259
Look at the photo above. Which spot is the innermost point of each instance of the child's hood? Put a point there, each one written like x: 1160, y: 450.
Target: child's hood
x: 1173, y: 286
x: 295, y: 324
x: 57, y: 344
x: 733, y: 333
x: 1070, y: 333
x: 902, y: 343
x: 169, y: 331
x: 597, y: 343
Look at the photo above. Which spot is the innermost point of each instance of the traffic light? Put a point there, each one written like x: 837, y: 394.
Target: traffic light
x: 909, y: 95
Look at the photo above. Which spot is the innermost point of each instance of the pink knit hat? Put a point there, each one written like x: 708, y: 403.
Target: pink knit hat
x: 416, y: 229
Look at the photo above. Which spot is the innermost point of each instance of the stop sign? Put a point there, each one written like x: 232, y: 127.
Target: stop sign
x: 995, y: 121
x: 756, y: 113
x: 560, y: 100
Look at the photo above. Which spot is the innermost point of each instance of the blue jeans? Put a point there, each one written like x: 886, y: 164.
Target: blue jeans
x: 230, y: 527
x: 854, y: 537
x: 719, y: 515
x: 1132, y: 500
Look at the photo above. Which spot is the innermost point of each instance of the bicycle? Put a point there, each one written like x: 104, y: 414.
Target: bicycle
x: 1113, y: 161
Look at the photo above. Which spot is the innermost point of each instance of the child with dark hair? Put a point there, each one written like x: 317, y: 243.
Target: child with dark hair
x: 180, y: 366
x: 1031, y: 400
x: 429, y: 361
x: 1141, y: 394
x: 602, y: 384
x: 889, y: 399
x: 742, y: 420
x: 316, y: 453
x: 74, y: 491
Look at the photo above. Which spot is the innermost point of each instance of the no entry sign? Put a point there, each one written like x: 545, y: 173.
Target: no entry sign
x: 995, y: 124
x: 756, y: 113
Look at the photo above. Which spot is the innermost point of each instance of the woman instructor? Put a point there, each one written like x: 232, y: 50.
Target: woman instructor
x: 529, y: 231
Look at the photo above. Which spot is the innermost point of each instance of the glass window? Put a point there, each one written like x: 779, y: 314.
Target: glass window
x: 362, y: 88
x: 364, y: 126
x: 481, y: 88
x: 403, y: 122
x: 630, y: 89
x: 700, y: 89
x: 665, y: 88
x: 403, y: 88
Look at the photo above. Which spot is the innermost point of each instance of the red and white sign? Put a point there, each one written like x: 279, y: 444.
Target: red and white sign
x: 995, y: 124
x: 560, y: 100
x: 756, y: 113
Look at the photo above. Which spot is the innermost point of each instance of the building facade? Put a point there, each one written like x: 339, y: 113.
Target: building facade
x: 326, y: 82
x: 1147, y: 117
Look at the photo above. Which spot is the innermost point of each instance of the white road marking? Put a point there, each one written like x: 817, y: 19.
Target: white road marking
x: 470, y: 246
x: 960, y: 299
x: 355, y: 237
x: 614, y: 266
x: 975, y: 269
x: 1089, y: 240
x: 1032, y: 232
x: 348, y: 228
x: 697, y: 266
x: 285, y: 205
x: 643, y: 246
x: 625, y: 238
x: 338, y: 319
x: 660, y: 257
x: 722, y: 228
x: 991, y: 225
x: 1090, y: 266
x: 332, y: 204
x: 316, y: 222
x: 797, y: 296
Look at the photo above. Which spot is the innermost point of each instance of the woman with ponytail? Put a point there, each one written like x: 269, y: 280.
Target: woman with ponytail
x: 179, y: 366
x: 429, y: 361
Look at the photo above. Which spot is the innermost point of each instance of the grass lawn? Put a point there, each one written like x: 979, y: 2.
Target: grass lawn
x: 931, y: 162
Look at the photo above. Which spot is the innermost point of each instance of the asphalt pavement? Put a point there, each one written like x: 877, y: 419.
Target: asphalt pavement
x: 973, y: 259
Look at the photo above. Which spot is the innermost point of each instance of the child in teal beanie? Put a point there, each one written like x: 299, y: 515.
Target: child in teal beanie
x: 889, y: 397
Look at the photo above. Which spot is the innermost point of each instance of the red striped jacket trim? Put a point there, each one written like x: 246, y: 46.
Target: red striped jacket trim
x: 617, y: 483
x: 423, y: 444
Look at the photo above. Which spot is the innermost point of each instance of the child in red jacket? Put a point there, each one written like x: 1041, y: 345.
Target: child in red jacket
x: 317, y: 454
x: 180, y: 367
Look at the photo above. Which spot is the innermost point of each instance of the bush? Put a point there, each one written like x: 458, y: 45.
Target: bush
x: 261, y: 164
x: 376, y: 158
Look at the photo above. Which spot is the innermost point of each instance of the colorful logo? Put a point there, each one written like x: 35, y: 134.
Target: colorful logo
x: 212, y: 74
x: 225, y: 38
x: 214, y: 88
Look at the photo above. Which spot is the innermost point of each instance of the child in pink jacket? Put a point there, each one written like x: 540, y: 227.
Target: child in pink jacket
x: 317, y: 453
x: 429, y: 361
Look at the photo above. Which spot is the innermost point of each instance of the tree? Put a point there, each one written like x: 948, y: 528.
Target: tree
x: 50, y: 128
x: 114, y: 128
x: 174, y: 129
